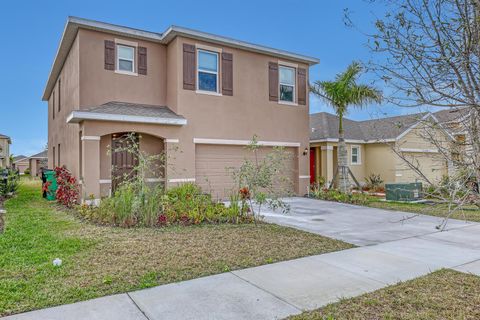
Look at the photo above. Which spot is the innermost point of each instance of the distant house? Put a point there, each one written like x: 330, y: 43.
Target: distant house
x: 375, y: 146
x: 34, y: 163
x: 5, y: 142
x: 37, y: 162
x: 20, y: 163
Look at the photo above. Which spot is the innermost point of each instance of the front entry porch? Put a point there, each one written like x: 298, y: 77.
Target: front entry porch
x: 323, y: 162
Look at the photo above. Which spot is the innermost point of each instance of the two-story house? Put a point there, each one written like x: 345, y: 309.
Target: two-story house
x: 197, y: 96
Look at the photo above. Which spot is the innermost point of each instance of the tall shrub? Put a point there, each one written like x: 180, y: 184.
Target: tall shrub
x: 67, y: 187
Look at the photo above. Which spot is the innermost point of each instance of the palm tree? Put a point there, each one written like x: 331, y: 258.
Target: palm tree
x: 342, y: 93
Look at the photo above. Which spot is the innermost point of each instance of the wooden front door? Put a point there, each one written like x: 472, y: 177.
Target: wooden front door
x: 124, y: 160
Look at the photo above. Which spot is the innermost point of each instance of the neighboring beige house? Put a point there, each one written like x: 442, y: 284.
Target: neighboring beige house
x: 371, y: 145
x: 37, y: 162
x: 200, y: 97
x: 5, y: 142
x: 20, y: 163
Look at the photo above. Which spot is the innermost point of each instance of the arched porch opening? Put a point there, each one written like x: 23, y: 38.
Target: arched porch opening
x: 125, y: 155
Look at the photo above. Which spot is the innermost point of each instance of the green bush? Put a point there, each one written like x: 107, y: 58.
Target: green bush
x: 185, y: 205
x: 337, y: 196
x: 8, y: 182
x: 26, y: 172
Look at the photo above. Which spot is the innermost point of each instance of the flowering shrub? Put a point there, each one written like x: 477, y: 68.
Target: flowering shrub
x: 67, y: 190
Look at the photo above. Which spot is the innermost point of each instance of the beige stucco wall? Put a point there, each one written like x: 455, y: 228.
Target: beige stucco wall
x: 432, y: 164
x: 98, y: 86
x: 380, y: 159
x: 4, y: 153
x: 59, y: 132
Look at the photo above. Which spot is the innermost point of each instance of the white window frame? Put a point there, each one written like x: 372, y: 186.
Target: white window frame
x: 117, y: 69
x: 359, y: 155
x: 294, y: 97
x: 216, y: 92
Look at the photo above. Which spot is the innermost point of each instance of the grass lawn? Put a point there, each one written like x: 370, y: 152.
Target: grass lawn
x: 471, y: 213
x: 445, y: 294
x: 99, y: 260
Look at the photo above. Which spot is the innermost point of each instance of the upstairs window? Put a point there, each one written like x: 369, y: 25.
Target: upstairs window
x: 125, y: 58
x: 287, y: 83
x: 207, y: 71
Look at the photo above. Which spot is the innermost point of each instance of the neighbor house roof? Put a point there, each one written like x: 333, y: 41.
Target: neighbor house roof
x: 74, y: 23
x: 324, y: 125
x: 19, y: 158
x: 128, y: 112
x: 40, y: 155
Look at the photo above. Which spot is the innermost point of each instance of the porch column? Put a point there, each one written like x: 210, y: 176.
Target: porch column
x: 318, y: 162
x: 327, y: 163
x: 91, y: 168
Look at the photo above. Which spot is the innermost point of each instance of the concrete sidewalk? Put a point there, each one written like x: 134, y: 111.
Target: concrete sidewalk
x: 278, y: 290
x: 391, y: 252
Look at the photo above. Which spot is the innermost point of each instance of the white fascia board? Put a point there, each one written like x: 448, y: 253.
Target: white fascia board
x: 415, y: 150
x: 174, y: 31
x: 78, y: 116
x: 245, y: 142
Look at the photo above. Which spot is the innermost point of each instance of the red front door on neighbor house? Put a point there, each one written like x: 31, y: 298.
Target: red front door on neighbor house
x: 312, y: 165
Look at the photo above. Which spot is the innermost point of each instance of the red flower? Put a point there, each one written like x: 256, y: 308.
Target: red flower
x: 162, y: 220
x: 244, y: 193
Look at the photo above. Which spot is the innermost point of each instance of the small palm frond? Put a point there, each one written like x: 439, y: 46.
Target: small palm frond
x: 344, y: 91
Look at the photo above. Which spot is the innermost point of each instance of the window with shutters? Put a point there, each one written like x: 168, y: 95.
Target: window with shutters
x: 207, y: 71
x: 125, y: 58
x: 286, y: 83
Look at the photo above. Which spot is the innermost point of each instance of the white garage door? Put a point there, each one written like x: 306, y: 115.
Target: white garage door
x: 212, y: 163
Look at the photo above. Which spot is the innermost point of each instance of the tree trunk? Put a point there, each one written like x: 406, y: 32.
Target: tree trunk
x: 342, y: 161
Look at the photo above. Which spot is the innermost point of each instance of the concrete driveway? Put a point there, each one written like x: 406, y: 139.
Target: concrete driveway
x: 358, y: 225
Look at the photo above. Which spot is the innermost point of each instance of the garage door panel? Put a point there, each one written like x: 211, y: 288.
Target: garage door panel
x: 212, y: 163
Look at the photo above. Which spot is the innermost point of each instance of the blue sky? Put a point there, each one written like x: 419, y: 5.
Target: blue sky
x: 31, y: 31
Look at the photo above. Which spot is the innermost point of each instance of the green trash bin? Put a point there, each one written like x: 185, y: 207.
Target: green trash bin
x: 52, y: 188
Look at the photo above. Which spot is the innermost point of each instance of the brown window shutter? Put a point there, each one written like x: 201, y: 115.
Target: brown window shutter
x: 273, y: 81
x: 142, y: 60
x: 188, y: 66
x: 227, y: 74
x: 302, y: 86
x: 109, y: 55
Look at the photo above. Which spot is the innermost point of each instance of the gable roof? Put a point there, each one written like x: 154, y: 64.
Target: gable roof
x: 40, y: 155
x: 324, y: 125
x: 74, y: 23
x: 19, y: 158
